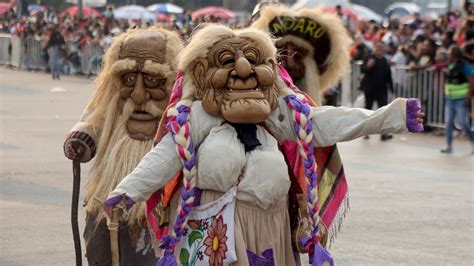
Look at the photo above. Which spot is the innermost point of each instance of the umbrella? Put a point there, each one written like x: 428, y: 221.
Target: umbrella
x: 214, y: 11
x: 35, y: 8
x: 316, y: 3
x: 86, y: 11
x: 165, y: 8
x: 134, y: 12
x: 4, y: 7
x: 93, y: 3
x: 366, y: 13
x: 346, y: 11
x: 398, y: 10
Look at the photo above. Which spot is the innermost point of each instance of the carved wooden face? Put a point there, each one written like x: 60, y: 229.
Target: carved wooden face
x: 143, y: 93
x: 237, y: 81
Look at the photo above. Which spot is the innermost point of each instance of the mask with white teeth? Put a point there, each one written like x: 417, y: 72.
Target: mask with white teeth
x: 237, y: 81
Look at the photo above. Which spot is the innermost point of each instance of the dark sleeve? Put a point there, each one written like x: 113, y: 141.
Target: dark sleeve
x: 61, y: 39
x: 389, y: 80
x: 364, y: 68
x: 410, y: 58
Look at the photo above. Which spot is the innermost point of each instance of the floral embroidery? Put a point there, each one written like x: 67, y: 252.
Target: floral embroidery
x: 200, y: 255
x: 215, y: 242
x: 194, y: 224
x: 209, y: 241
x: 205, y: 224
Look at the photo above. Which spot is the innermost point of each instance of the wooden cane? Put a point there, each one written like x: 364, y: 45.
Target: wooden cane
x: 76, y: 170
x: 113, y: 224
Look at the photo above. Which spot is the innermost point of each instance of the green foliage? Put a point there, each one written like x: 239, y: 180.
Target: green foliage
x: 184, y: 257
x: 195, y: 235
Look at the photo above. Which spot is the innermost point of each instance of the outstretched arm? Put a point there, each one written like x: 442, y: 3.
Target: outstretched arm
x: 336, y: 124
x: 161, y: 164
x: 156, y: 169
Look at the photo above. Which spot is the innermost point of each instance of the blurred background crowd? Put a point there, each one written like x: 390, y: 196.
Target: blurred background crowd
x: 88, y: 36
x: 411, y: 38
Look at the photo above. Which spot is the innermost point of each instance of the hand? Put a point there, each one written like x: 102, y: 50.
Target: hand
x: 391, y: 94
x: 115, y: 201
x: 467, y: 102
x: 371, y: 62
x: 74, y: 150
x: 420, y: 117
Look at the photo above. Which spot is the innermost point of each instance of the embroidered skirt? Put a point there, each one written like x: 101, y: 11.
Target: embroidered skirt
x: 260, y: 235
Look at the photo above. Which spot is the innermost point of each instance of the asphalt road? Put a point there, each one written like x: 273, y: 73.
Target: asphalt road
x: 410, y: 205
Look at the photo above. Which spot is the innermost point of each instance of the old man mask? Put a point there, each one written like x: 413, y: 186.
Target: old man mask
x: 145, y: 74
x: 236, y: 80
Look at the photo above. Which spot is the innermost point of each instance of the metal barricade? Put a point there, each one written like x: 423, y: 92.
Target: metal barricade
x: 22, y: 53
x: 91, y: 58
x: 15, y: 59
x: 5, y: 48
x: 356, y: 76
x: 28, y: 53
x: 350, y: 86
x: 31, y: 56
x: 426, y: 85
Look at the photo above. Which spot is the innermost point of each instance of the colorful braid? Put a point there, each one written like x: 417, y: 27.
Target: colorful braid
x: 303, y: 128
x: 181, y: 133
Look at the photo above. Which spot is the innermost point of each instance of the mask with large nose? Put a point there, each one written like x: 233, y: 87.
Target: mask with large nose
x: 236, y: 80
x: 143, y: 93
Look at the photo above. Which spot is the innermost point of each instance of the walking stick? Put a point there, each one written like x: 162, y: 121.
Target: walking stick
x: 76, y: 169
x: 113, y: 224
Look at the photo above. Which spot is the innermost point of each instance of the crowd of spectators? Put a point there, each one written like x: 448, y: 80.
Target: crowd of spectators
x: 69, y: 44
x: 89, y: 36
x: 416, y: 43
x: 413, y: 45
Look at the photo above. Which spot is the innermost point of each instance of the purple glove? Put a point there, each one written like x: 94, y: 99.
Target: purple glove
x: 113, y: 201
x: 413, y: 111
x: 321, y: 257
x: 168, y: 259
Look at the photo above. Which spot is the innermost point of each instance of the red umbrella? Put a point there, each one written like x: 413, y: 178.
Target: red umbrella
x: 346, y: 11
x: 214, y: 11
x: 4, y: 7
x: 86, y: 11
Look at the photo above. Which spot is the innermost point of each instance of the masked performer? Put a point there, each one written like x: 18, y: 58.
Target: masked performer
x: 228, y: 114
x: 313, y: 47
x: 118, y: 128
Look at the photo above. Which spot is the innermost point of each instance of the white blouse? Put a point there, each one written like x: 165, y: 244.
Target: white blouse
x: 264, y: 180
